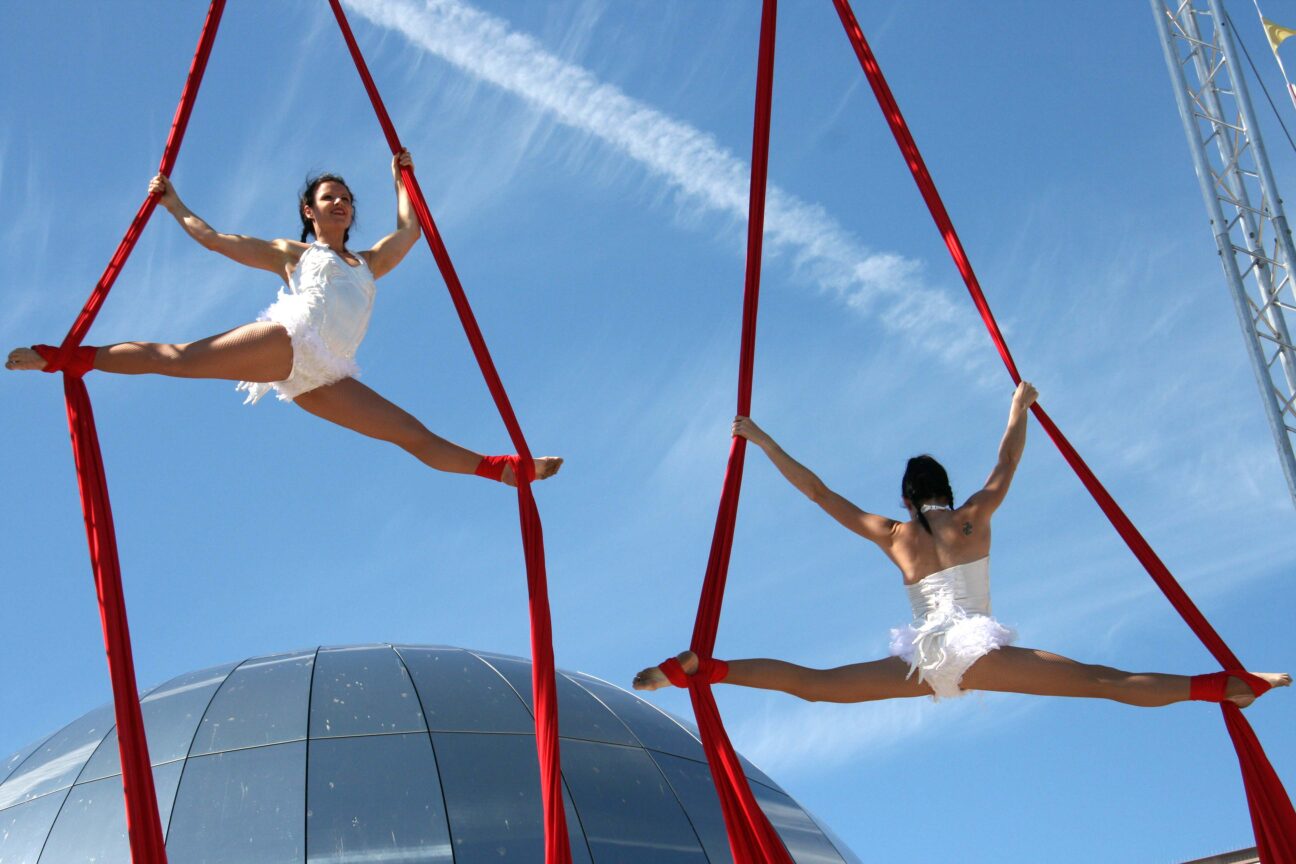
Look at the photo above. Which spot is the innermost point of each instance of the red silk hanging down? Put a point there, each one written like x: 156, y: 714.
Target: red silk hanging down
x: 142, y: 822
x: 1271, y: 809
x: 543, y: 685
x: 752, y: 839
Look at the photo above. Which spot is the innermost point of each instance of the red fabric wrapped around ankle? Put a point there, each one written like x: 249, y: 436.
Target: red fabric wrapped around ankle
x: 80, y: 362
x: 492, y: 467
x: 674, y: 672
x: 1214, y: 687
x: 711, y: 670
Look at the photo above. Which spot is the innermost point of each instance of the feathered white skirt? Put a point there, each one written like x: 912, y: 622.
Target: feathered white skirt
x: 944, y: 645
x: 314, y: 363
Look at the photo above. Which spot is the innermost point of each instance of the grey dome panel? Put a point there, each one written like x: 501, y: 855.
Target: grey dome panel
x: 579, y: 714
x: 171, y: 714
x: 263, y: 701
x: 9, y: 765
x: 326, y: 756
x: 492, y: 795
x: 56, y: 763
x: 358, y: 814
x: 90, y: 826
x: 24, y: 827
x: 362, y: 691
x: 460, y: 693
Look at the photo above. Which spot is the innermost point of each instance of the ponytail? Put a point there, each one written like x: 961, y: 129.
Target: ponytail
x: 925, y: 480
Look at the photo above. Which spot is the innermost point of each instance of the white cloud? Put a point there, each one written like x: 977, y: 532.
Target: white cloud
x: 694, y: 165
x: 792, y: 737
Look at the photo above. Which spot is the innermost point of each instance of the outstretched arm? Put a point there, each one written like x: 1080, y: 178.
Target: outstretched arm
x: 867, y: 525
x: 390, y: 250
x: 276, y: 256
x: 1011, y: 448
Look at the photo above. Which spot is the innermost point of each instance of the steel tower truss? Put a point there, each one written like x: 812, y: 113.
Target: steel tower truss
x: 1255, y: 243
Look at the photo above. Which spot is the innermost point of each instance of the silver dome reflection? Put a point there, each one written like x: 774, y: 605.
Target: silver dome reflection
x: 381, y: 753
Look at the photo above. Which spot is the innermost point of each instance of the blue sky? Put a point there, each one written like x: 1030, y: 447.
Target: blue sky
x: 586, y: 162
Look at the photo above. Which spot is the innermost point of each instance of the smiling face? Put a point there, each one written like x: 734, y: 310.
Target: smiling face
x: 331, y: 210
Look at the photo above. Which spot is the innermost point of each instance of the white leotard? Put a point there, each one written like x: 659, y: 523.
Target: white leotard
x: 326, y: 312
x: 952, y: 627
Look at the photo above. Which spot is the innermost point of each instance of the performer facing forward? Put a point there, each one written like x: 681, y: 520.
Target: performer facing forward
x: 303, y: 346
x: 953, y: 645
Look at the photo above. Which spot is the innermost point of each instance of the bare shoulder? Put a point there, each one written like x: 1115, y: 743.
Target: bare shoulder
x: 292, y: 250
x: 972, y: 523
x: 290, y: 247
x: 289, y: 253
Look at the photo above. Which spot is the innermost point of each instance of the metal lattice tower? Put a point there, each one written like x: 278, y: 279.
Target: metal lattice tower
x: 1246, y: 214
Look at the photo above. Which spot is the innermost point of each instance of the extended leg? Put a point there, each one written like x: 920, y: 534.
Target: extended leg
x: 858, y: 682
x: 254, y: 352
x: 1028, y: 670
x: 351, y: 404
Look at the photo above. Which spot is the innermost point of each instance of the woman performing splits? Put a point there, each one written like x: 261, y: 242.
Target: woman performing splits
x: 304, y: 345
x: 953, y: 644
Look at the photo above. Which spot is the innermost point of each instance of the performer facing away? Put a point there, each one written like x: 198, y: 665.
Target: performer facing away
x: 953, y: 645
x: 303, y: 346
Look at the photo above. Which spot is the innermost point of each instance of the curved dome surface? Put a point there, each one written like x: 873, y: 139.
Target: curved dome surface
x: 382, y: 753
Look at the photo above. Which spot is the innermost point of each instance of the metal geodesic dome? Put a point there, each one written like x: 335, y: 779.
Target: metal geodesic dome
x: 381, y: 753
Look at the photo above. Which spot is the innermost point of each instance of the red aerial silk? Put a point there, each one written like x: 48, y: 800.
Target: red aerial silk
x: 543, y: 686
x: 752, y: 838
x: 142, y: 822
x: 1271, y: 809
x: 146, y: 839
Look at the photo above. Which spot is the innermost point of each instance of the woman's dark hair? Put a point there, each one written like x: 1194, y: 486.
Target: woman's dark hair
x: 307, y: 199
x: 925, y: 480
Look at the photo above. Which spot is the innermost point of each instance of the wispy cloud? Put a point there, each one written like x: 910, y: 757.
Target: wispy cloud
x: 25, y: 242
x: 693, y: 164
x: 791, y: 737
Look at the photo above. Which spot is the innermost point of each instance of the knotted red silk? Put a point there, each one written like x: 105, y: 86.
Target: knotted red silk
x: 708, y: 668
x: 142, y: 822
x: 543, y: 686
x: 1271, y: 809
x: 752, y: 839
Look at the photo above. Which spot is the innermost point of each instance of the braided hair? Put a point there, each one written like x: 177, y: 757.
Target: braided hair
x: 925, y: 480
x: 307, y: 199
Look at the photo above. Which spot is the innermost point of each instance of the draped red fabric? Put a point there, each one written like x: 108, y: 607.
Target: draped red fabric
x: 543, y: 685
x: 142, y: 821
x: 752, y: 839
x: 1271, y: 810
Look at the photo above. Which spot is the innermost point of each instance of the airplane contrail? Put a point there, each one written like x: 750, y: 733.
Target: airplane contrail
x: 689, y: 160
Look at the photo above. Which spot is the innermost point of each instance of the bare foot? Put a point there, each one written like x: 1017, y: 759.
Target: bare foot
x: 24, y: 360
x: 653, y: 678
x: 545, y: 467
x: 1240, y: 694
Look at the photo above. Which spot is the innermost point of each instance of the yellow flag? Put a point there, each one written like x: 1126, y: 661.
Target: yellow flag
x: 1276, y: 33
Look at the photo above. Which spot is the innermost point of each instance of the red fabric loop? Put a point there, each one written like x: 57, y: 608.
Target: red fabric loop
x: 1272, y: 814
x: 524, y: 469
x: 1208, y: 688
x: 492, y: 467
x: 1214, y: 687
x: 711, y: 670
x: 80, y: 360
x: 752, y: 839
x: 143, y: 825
x: 674, y: 672
x: 544, y: 686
